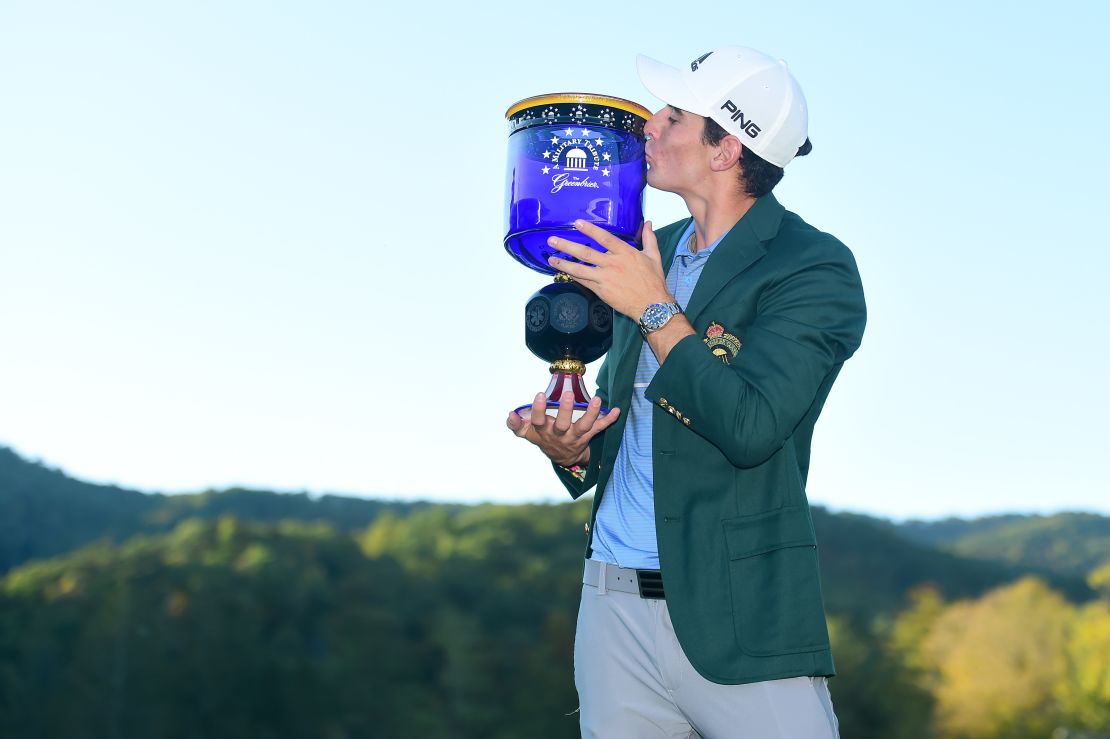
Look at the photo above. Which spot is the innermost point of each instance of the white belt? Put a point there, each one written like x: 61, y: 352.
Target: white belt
x: 605, y: 576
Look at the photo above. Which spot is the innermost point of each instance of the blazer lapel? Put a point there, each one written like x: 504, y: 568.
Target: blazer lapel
x: 741, y: 247
x: 670, y: 246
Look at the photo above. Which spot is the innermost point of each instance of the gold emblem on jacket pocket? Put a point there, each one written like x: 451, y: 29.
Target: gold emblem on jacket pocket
x: 722, y: 344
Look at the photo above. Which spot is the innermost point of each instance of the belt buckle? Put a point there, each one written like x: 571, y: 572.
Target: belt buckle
x: 650, y: 583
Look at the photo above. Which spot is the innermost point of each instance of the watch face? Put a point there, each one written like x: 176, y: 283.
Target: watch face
x: 655, y: 316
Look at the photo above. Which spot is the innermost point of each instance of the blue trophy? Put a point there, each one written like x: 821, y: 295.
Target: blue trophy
x: 571, y: 156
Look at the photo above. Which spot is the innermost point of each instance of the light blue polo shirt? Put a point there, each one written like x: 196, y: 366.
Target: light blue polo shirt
x: 624, y: 532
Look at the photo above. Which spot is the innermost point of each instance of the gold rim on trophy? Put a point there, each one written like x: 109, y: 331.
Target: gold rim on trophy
x: 567, y: 364
x: 584, y: 98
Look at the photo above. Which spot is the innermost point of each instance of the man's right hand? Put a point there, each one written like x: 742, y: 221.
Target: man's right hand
x: 565, y: 443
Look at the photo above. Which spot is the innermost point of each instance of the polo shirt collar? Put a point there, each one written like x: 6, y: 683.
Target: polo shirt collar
x: 734, y: 252
x: 683, y: 247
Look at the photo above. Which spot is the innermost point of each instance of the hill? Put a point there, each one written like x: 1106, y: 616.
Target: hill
x: 868, y: 567
x: 868, y: 564
x: 228, y: 629
x: 44, y: 512
x: 253, y: 613
x: 1070, y: 544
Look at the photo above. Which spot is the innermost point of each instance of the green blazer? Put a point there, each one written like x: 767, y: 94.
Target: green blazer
x: 777, y: 310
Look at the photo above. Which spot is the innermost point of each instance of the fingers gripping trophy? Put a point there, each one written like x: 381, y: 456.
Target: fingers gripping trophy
x: 571, y: 156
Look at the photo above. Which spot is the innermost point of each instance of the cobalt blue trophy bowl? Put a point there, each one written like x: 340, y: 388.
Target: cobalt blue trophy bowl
x: 571, y: 156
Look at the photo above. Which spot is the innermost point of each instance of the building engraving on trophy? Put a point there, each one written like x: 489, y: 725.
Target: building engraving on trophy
x: 579, y: 150
x: 575, y: 161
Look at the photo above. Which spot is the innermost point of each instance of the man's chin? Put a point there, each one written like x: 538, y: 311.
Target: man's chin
x: 655, y: 184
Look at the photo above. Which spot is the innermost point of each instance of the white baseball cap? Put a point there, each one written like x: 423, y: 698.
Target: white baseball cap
x: 751, y: 95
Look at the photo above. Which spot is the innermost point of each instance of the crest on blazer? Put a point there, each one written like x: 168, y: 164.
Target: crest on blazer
x: 723, y: 344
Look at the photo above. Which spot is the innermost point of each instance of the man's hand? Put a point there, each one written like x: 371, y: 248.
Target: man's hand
x: 627, y: 279
x: 564, y: 443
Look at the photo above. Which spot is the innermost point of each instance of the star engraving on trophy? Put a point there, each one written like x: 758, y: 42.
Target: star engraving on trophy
x: 547, y: 155
x: 605, y: 171
x: 586, y: 134
x: 569, y: 131
x: 546, y: 170
x: 554, y: 139
x: 605, y: 155
x: 598, y: 141
x: 536, y: 315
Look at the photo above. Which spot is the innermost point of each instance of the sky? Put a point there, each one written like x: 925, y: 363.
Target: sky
x: 259, y: 243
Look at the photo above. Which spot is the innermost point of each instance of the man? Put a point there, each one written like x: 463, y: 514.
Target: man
x: 701, y: 610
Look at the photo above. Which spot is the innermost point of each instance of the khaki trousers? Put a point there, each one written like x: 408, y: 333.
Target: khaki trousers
x: 634, y: 681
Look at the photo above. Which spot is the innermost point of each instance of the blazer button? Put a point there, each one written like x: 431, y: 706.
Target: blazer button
x: 686, y: 421
x: 587, y: 527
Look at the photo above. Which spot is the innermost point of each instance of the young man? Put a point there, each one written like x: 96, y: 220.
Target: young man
x: 701, y: 608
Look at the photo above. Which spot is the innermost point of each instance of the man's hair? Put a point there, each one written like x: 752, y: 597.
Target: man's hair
x: 757, y: 176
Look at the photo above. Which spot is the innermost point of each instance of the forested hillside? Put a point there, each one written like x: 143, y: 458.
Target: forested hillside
x: 230, y: 629
x: 248, y: 613
x: 44, y: 512
x: 1064, y: 543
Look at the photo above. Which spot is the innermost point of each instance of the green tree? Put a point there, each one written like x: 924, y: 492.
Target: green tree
x: 874, y: 694
x: 998, y: 661
x: 1085, y: 693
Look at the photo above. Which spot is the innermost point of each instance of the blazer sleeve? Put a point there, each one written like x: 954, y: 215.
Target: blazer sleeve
x: 809, y: 318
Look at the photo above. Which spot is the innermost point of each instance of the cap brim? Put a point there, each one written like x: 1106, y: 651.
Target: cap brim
x: 665, y: 82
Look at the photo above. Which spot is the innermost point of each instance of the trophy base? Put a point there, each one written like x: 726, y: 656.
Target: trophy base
x: 566, y: 377
x: 525, y: 411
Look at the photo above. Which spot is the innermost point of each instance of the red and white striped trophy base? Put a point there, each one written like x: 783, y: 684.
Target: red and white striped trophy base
x: 566, y: 376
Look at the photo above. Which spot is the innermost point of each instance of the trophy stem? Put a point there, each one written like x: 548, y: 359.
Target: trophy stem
x: 566, y: 377
x: 568, y: 364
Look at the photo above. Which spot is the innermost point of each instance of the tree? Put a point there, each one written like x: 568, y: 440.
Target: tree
x: 998, y: 661
x: 1085, y: 694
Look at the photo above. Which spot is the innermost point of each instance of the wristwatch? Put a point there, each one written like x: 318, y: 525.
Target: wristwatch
x: 656, y: 315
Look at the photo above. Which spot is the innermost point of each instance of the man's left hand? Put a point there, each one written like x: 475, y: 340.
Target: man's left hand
x: 627, y: 279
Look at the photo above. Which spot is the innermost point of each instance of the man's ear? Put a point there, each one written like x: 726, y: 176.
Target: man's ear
x: 727, y: 154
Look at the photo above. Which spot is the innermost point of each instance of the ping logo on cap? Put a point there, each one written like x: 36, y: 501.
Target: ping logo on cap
x: 694, y: 64
x: 746, y: 125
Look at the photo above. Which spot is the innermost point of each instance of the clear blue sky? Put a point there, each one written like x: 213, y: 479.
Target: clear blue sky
x: 259, y: 243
